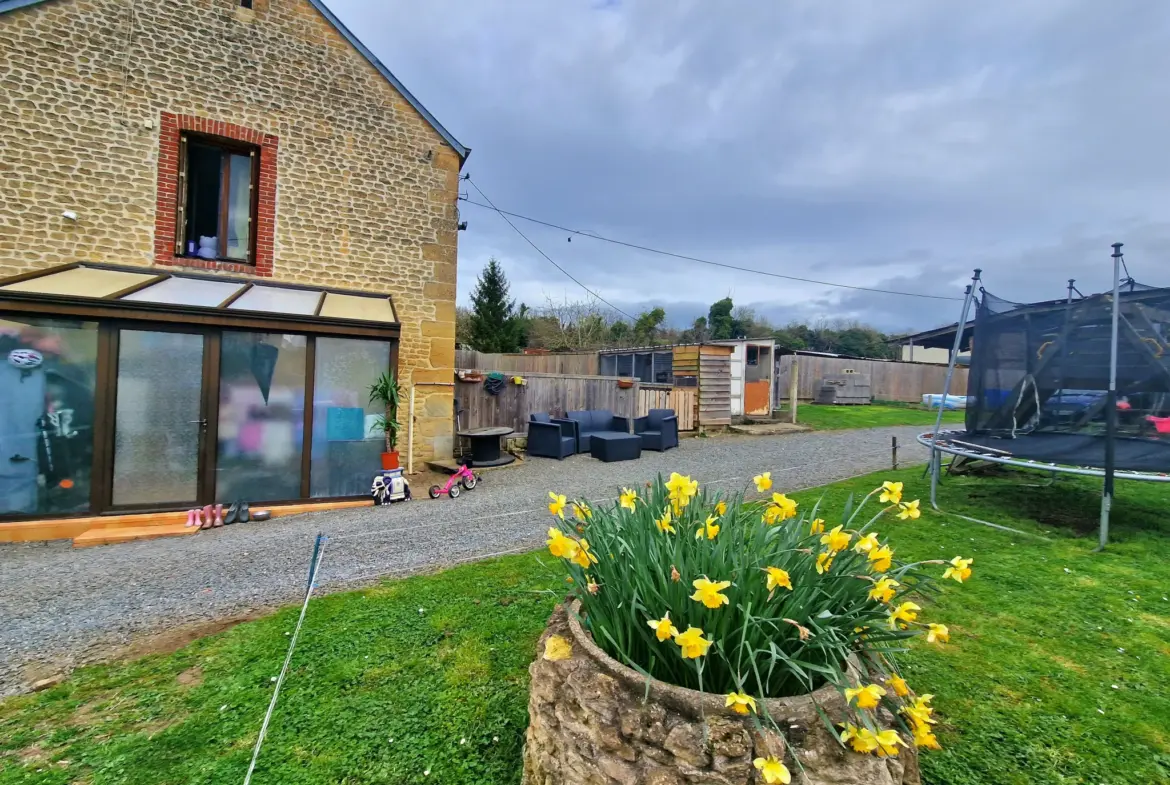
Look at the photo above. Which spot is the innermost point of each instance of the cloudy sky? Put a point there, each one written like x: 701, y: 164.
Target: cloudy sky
x: 889, y: 145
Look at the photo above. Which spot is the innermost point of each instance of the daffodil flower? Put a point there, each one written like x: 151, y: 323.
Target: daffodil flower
x: 887, y: 743
x: 709, y: 528
x: 708, y: 593
x: 786, y: 506
x: 721, y: 507
x: 692, y: 643
x: 628, y: 499
x: 763, y: 481
x: 581, y: 511
x: 906, y: 612
x: 860, y: 739
x: 771, y: 515
x: 868, y: 697
x: 891, y: 492
x: 881, y: 558
x: 777, y: 578
x: 836, y: 539
x: 583, y: 557
x: 557, y: 506
x: 937, y: 633
x: 681, y: 488
x: 960, y: 569
x: 824, y: 562
x: 817, y: 526
x: 924, y: 738
x: 919, y: 711
x: 772, y: 770
x: 559, y: 545
x: 663, y: 523
x: 867, y: 543
x: 740, y: 702
x: 898, y: 685
x: 884, y: 589
x: 664, y: 628
x: 909, y: 510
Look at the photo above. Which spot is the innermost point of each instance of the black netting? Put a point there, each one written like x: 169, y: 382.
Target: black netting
x: 1043, y: 369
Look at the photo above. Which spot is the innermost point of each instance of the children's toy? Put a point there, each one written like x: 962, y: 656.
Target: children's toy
x: 390, y: 486
x: 464, y: 477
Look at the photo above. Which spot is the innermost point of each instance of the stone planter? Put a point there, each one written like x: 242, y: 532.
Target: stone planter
x: 593, y: 721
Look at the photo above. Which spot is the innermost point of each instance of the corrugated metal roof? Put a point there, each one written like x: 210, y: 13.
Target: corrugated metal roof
x: 463, y: 152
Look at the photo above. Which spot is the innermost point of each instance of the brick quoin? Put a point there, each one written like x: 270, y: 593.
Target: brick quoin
x: 166, y: 205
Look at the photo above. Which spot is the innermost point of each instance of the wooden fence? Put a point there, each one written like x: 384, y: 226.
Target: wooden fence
x: 889, y: 381
x: 583, y: 364
x: 681, y: 399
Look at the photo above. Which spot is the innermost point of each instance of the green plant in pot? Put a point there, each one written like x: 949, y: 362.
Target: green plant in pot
x: 385, y: 392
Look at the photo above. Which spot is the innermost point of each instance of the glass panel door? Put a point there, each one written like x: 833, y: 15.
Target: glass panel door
x: 159, y: 422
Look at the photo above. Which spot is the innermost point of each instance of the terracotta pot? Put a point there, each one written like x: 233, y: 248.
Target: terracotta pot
x: 390, y: 460
x: 625, y: 384
x: 593, y: 720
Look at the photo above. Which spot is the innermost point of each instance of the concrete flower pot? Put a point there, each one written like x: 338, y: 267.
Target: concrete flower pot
x: 593, y: 721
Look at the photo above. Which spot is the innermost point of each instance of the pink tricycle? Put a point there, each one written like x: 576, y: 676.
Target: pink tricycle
x: 464, y: 477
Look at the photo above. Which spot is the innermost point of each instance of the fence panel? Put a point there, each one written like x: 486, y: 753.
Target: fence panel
x: 554, y: 394
x: 680, y: 399
x: 582, y: 364
x: 889, y: 381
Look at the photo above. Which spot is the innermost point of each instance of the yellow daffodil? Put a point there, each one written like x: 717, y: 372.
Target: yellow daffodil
x: 663, y: 523
x: 709, y: 528
x: 887, y: 743
x: 960, y: 569
x: 868, y: 697
x: 860, y: 739
x: 919, y: 711
x: 891, y: 492
x: 884, y: 590
x: 557, y: 648
x: 906, y: 612
x: 817, y: 526
x: 740, y: 702
x: 681, y: 488
x: 824, y: 562
x: 663, y: 628
x: 938, y: 633
x: 583, y: 557
x: 867, y: 543
x: 721, y: 507
x: 836, y: 540
x: 763, y: 481
x: 881, y: 559
x: 628, y: 499
x: 581, y: 511
x: 772, y: 770
x: 707, y: 592
x: 909, y: 510
x: 559, y: 545
x: 898, y: 685
x: 692, y: 643
x: 771, y: 515
x: 786, y: 506
x: 924, y: 738
x: 557, y: 506
x: 777, y: 578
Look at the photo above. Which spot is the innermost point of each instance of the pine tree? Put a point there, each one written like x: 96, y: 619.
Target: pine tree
x: 495, y: 324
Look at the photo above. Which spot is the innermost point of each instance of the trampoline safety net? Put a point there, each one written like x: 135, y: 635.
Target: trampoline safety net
x: 1039, y: 378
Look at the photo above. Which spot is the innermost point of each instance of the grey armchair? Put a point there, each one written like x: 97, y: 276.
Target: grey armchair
x: 658, y: 429
x: 549, y: 437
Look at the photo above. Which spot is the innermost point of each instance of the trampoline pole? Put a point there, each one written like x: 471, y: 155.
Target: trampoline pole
x: 1111, y: 405
x: 935, y: 455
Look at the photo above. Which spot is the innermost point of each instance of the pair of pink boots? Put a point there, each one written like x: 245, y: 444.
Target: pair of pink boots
x: 207, y: 518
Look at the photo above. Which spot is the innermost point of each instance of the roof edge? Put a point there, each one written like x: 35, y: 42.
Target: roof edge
x: 448, y: 137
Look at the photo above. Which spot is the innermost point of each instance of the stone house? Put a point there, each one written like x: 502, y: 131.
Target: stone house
x: 235, y: 186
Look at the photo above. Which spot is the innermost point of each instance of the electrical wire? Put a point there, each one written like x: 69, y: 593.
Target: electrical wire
x: 515, y: 228
x: 505, y: 213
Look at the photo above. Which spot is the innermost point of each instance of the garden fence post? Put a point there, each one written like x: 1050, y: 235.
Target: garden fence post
x: 894, y: 451
x: 793, y: 387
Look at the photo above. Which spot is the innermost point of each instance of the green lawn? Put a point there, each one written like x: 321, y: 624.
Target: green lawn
x: 876, y: 415
x: 1056, y: 672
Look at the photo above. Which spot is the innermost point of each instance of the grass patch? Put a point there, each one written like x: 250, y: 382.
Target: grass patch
x: 1025, y: 691
x: 876, y: 415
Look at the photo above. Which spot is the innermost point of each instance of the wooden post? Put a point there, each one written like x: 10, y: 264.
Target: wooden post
x: 793, y: 387
x: 894, y: 451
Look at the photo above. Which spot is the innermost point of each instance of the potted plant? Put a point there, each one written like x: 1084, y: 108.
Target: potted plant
x: 717, y: 638
x: 385, y: 391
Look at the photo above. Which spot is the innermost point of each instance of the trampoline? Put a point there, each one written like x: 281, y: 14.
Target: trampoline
x: 1074, y: 386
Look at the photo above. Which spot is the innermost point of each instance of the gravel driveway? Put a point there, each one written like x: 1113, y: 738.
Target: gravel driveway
x: 62, y: 607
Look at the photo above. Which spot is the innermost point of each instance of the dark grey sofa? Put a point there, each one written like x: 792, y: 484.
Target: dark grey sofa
x: 549, y: 437
x: 658, y: 429
x: 596, y: 421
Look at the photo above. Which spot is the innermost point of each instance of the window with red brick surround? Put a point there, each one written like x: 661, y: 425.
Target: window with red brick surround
x: 166, y: 204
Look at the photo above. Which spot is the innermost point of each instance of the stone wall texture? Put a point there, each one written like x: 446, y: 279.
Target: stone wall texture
x: 366, y: 189
x: 593, y: 721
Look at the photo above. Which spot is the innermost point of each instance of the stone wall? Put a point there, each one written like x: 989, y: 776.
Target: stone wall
x: 366, y: 189
x: 593, y: 721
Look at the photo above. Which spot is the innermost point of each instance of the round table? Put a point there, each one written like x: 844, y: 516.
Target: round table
x: 485, y: 446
